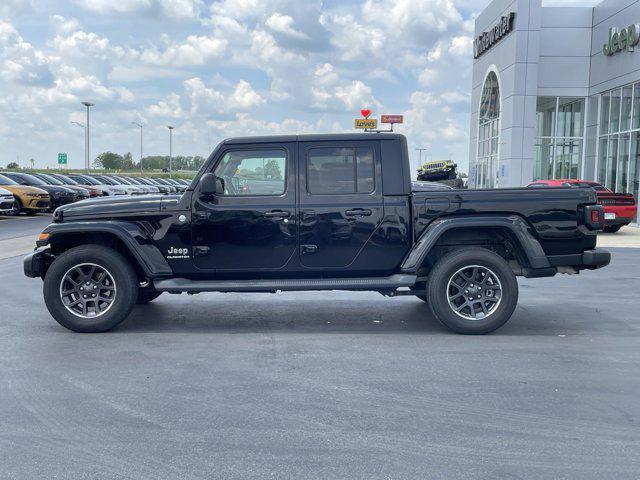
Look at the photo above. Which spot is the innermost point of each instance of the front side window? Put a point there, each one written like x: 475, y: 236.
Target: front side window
x: 340, y: 170
x: 253, y: 172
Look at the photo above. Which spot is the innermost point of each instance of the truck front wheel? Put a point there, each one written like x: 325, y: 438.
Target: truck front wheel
x: 90, y: 289
x: 472, y: 291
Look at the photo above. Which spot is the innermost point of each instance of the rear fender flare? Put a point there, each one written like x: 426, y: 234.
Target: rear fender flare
x: 513, y: 223
x: 132, y: 235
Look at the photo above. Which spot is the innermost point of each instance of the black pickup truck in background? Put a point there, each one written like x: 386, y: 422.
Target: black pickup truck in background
x: 314, y: 212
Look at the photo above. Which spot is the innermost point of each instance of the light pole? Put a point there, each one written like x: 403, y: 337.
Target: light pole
x: 86, y: 136
x: 420, y: 160
x: 170, y: 150
x: 140, y: 125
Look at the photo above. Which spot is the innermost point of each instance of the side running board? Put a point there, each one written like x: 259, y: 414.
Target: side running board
x: 377, y: 283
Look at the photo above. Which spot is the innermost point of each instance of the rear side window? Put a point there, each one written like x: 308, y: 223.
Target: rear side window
x: 340, y: 170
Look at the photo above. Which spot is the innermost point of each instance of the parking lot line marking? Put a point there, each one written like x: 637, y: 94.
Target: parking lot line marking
x: 14, y: 247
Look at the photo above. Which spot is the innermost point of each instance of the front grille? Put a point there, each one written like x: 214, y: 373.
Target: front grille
x: 42, y: 204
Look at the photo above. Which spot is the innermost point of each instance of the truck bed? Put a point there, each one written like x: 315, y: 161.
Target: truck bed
x: 550, y: 212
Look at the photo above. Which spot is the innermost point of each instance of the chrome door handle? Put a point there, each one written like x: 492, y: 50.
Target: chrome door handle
x: 358, y: 212
x: 277, y: 214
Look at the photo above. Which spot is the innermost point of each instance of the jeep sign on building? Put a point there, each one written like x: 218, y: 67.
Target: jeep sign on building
x: 556, y: 94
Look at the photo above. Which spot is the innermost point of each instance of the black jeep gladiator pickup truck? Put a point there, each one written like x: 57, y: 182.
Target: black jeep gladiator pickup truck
x: 314, y: 212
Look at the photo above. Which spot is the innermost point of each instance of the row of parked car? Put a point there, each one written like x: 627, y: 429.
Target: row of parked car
x: 31, y: 193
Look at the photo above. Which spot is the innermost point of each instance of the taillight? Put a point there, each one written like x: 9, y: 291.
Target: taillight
x: 594, y: 217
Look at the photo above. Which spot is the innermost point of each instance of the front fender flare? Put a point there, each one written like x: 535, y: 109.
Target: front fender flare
x: 133, y: 236
x: 513, y: 223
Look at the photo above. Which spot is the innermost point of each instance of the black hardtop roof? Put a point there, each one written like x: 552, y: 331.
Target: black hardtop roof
x: 313, y: 138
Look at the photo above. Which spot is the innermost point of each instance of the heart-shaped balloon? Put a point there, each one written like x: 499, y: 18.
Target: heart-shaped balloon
x: 365, y: 112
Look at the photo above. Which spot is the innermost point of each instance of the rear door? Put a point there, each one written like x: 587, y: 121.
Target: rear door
x: 340, y: 200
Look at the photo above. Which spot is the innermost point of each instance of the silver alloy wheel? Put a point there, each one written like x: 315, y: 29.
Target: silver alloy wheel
x: 87, y: 290
x: 474, y: 292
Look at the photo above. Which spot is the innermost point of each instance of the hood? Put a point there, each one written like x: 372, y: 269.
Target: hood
x: 56, y: 189
x: 24, y: 189
x: 110, y: 207
x: 78, y: 189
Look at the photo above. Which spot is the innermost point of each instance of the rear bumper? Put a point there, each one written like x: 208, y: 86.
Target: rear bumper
x: 36, y: 263
x: 589, y: 259
x: 618, y: 221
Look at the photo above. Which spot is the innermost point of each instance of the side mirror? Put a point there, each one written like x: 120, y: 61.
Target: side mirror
x: 211, y: 185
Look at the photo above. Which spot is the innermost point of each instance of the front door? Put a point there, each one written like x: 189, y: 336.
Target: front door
x: 341, y: 202
x: 252, y: 226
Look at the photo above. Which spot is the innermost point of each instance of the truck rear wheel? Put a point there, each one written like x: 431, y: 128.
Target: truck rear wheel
x: 472, y: 291
x: 90, y: 289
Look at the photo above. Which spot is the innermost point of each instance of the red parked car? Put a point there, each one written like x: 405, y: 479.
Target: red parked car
x: 619, y: 208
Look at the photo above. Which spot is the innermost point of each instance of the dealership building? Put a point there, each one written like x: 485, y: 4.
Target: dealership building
x: 556, y: 94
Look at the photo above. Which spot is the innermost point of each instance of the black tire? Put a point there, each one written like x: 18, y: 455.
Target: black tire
x: 439, y: 289
x: 612, y: 228
x: 31, y: 213
x: 146, y: 295
x: 125, y: 288
x: 17, y: 207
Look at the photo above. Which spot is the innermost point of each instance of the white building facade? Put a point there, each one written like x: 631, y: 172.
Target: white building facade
x: 556, y: 94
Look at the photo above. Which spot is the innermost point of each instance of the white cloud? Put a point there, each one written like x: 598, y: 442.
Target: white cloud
x: 193, y: 51
x: 353, y: 40
x: 412, y: 17
x: 462, y: 45
x: 284, y: 24
x: 245, y: 97
x: 427, y: 76
x: 167, y: 9
x: 169, y: 107
x: 64, y: 26
x: 207, y: 100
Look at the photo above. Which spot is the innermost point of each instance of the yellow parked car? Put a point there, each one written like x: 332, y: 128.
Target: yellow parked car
x: 29, y: 200
x: 437, y: 170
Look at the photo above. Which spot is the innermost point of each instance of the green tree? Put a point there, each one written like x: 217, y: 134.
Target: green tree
x: 109, y: 161
x: 272, y: 170
x: 127, y: 162
x: 13, y: 166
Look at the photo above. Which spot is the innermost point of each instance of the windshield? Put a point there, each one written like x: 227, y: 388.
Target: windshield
x: 27, y: 179
x: 66, y: 180
x: 49, y: 179
x: 89, y: 180
x: 6, y: 181
x: 123, y: 180
x: 107, y: 180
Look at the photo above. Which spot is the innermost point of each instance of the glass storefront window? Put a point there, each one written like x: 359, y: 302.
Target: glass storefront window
x: 612, y: 162
x: 634, y: 164
x: 559, y: 137
x: 602, y: 159
x: 618, y: 158
x: 625, y: 109
x: 623, y: 163
x: 488, y: 133
x: 614, y: 117
x: 604, y: 112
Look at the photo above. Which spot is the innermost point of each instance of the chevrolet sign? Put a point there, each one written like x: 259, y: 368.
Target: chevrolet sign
x: 488, y: 39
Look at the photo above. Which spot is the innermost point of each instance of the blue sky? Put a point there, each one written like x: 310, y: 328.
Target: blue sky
x: 229, y: 68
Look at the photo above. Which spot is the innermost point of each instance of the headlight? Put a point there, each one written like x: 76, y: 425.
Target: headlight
x: 35, y: 195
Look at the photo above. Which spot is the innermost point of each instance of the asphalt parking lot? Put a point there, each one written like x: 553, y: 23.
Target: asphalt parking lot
x: 324, y: 385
